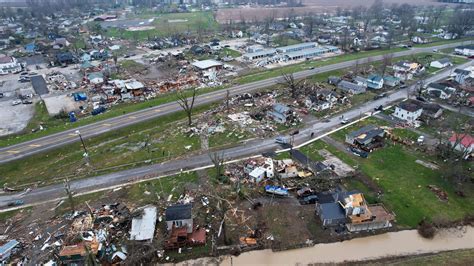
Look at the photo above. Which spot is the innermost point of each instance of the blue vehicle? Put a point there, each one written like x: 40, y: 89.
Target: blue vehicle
x: 276, y: 190
x: 15, y: 203
x: 98, y: 110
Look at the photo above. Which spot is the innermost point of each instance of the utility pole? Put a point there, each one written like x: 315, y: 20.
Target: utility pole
x: 86, y: 154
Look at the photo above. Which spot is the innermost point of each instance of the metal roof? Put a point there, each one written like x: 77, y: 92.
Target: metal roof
x: 307, y: 52
x: 6, y: 248
x: 299, y: 46
x: 260, y: 53
x: 205, y: 64
x: 143, y: 226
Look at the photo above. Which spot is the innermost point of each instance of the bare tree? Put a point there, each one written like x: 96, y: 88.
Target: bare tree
x: 386, y: 62
x: 295, y: 86
x: 218, y: 162
x: 187, y: 103
x: 227, y: 100
x: 67, y: 188
x: 461, y: 21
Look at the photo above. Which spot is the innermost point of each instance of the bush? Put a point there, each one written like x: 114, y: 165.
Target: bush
x: 426, y: 229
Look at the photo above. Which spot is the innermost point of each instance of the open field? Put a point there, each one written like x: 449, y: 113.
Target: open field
x: 166, y: 24
x: 310, y: 6
x: 457, y: 257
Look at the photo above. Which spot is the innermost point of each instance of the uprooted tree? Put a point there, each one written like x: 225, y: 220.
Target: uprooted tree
x: 187, y: 103
x: 294, y: 85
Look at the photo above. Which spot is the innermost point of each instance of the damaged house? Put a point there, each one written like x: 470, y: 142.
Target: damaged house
x: 280, y: 113
x: 181, y: 229
x: 366, y: 138
x: 351, y: 210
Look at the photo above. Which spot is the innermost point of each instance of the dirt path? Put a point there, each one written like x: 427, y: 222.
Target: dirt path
x: 392, y: 244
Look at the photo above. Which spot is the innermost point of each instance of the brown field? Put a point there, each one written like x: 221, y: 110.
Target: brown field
x: 311, y: 6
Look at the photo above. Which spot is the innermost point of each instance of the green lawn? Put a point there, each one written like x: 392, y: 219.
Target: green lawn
x: 153, y: 141
x: 404, y: 183
x: 170, y: 23
x: 148, y: 192
x: 53, y: 125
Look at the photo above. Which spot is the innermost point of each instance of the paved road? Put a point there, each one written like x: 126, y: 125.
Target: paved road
x: 250, y: 148
x: 66, y: 137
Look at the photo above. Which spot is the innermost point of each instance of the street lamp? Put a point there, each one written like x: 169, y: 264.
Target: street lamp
x: 86, y: 154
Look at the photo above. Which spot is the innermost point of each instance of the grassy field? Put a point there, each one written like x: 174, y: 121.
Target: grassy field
x: 152, y: 141
x: 53, y: 125
x: 404, y: 183
x: 168, y: 24
x: 457, y: 257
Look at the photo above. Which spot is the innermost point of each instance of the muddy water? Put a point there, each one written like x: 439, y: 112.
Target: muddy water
x: 385, y: 245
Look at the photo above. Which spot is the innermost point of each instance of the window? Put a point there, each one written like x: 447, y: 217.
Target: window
x: 178, y: 223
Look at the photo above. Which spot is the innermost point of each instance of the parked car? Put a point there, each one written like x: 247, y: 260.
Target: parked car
x: 16, y: 102
x: 311, y: 199
x: 420, y: 140
x: 1, y: 94
x: 281, y: 140
x: 15, y: 203
x: 27, y: 102
x: 379, y: 108
x: 344, y: 121
x: 359, y: 152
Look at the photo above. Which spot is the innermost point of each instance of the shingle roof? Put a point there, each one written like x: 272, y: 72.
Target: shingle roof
x: 410, y: 106
x: 179, y: 212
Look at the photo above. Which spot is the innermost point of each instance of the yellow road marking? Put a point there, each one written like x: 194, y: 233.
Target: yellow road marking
x: 132, y: 117
x: 107, y: 124
x: 13, y: 151
x: 158, y: 110
x: 72, y: 134
x: 35, y: 145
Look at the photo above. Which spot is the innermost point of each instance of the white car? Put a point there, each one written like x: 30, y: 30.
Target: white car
x: 16, y: 102
x: 420, y: 139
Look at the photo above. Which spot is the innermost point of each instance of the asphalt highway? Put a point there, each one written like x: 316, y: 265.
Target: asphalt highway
x: 45, y: 143
x: 247, y: 149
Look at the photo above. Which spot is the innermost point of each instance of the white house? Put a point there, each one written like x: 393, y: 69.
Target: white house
x: 440, y: 90
x: 465, y: 50
x: 375, y: 82
x: 360, y: 81
x: 408, y: 111
x: 8, y: 65
x: 441, y: 63
x: 179, y: 216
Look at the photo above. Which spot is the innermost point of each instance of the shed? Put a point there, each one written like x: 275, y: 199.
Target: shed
x: 143, y: 225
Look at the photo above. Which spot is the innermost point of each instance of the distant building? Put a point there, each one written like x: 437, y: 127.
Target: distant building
x: 465, y: 50
x: 208, y: 65
x: 440, y: 90
x: 462, y: 142
x: 9, y: 65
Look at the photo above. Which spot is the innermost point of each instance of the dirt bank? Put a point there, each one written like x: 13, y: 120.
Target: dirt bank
x: 393, y: 244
